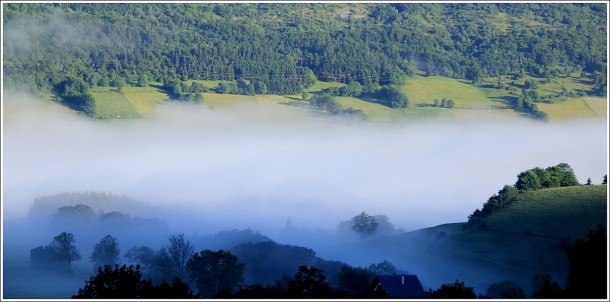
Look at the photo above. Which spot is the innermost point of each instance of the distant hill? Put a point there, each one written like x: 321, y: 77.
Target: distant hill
x: 524, y: 239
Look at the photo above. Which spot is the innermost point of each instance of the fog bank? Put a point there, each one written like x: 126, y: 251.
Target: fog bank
x: 255, y: 165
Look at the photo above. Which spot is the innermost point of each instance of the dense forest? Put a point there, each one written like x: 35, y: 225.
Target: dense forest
x: 281, y: 48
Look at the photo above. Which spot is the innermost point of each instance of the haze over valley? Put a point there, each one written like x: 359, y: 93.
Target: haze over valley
x: 463, y: 146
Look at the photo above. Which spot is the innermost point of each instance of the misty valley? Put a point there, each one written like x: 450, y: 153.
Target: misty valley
x: 515, y: 246
x: 304, y: 150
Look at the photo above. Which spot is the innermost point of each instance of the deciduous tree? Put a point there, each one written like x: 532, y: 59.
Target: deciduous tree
x: 63, y: 249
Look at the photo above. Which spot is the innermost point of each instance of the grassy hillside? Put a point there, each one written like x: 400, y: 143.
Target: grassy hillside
x: 554, y: 213
x: 471, y: 101
x: 519, y: 242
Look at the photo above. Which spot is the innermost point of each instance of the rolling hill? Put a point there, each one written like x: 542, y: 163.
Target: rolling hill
x: 525, y: 239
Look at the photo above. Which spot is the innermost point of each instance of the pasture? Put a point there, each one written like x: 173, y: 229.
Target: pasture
x: 109, y: 103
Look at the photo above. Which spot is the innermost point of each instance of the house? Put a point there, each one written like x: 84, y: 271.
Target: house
x: 401, y: 286
x: 40, y: 257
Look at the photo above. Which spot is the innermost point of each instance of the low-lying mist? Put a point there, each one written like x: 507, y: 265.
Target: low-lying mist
x: 259, y: 166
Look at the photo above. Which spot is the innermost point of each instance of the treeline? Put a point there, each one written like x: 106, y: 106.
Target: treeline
x: 260, y: 269
x: 561, y: 175
x: 220, y: 274
x: 287, y: 46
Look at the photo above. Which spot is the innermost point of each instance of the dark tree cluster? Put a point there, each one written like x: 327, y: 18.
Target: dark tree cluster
x: 328, y: 103
x: 175, y: 269
x: 587, y: 277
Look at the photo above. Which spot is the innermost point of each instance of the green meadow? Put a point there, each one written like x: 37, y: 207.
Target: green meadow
x: 109, y: 103
x: 472, y: 102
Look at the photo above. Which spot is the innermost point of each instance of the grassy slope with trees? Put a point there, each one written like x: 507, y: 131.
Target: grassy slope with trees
x: 524, y: 239
x: 287, y: 47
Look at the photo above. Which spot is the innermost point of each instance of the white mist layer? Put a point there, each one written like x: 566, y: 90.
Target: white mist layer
x: 259, y: 165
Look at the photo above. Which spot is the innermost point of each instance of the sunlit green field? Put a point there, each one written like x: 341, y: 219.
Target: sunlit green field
x: 571, y: 108
x: 421, y: 89
x: 482, y: 101
x: 145, y: 99
x: 110, y: 103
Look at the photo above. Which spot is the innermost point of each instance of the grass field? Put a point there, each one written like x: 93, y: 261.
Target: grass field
x: 145, y: 99
x: 110, y: 103
x: 576, y: 108
x: 421, y: 89
x: 472, y: 102
x: 573, y: 211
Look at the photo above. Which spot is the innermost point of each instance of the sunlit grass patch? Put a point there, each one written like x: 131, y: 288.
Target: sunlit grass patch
x: 111, y: 103
x: 425, y: 90
x: 145, y: 99
x: 572, y: 108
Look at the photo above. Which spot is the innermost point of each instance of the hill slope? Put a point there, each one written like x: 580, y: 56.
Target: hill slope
x: 519, y: 242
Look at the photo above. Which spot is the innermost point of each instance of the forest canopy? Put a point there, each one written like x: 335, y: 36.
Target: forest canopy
x: 285, y: 47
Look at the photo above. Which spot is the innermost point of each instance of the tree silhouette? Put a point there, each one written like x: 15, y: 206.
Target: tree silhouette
x: 309, y: 283
x: 125, y: 283
x: 546, y: 288
x: 62, y: 248
x: 106, y: 252
x: 364, y: 224
x: 215, y: 272
x: 177, y: 253
x: 456, y: 290
x: 587, y: 278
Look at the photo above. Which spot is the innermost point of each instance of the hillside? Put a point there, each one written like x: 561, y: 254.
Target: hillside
x: 489, y: 55
x: 573, y: 211
x: 519, y: 242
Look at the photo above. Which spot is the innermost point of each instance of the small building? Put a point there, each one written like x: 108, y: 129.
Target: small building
x: 401, y: 286
x: 40, y: 257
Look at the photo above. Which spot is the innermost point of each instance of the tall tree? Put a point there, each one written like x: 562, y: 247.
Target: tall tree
x: 587, y: 278
x: 106, y: 252
x: 63, y: 249
x: 179, y: 251
x: 364, y: 224
x: 216, y: 273
x: 144, y: 256
x: 309, y: 283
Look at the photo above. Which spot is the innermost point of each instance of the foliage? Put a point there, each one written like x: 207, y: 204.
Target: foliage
x: 456, y: 290
x: 144, y: 257
x: 125, y: 283
x: 364, y: 224
x: 355, y: 280
x: 506, y: 290
x: 309, y: 283
x: 63, y: 249
x: 546, y: 288
x: 106, y: 252
x: 561, y: 175
x: 266, y: 261
x: 287, y: 47
x: 384, y: 268
x: 215, y: 273
x: 177, y: 253
x: 588, y: 262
